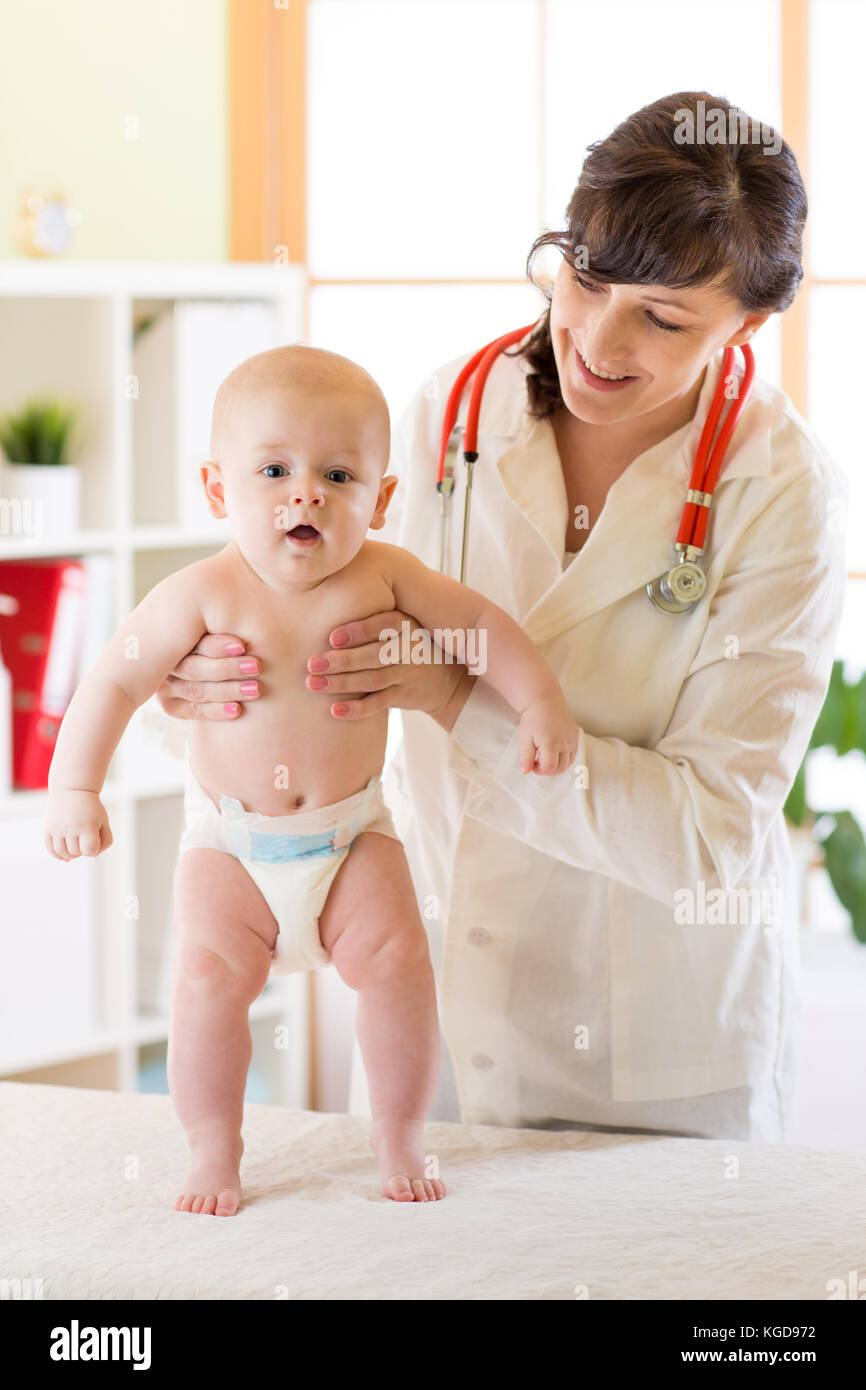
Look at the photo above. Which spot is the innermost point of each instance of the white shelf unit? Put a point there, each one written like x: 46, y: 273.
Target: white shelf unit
x: 68, y: 328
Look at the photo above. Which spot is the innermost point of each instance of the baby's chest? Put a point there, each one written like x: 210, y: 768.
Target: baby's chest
x: 284, y: 631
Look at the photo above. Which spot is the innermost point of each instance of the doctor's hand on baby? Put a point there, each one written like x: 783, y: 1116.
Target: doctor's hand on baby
x: 207, y: 684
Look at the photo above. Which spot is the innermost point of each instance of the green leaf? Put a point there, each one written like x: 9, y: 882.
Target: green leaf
x: 830, y: 725
x: 845, y: 859
x: 795, y: 807
x: 858, y: 703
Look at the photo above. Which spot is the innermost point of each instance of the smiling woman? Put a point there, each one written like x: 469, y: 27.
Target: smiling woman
x: 710, y: 221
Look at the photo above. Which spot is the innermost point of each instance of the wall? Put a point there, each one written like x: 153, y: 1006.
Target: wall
x: 73, y: 78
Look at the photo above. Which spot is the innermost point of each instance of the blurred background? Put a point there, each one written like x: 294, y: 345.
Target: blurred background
x: 186, y: 182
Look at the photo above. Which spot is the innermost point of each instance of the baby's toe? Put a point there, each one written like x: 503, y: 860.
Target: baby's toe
x: 419, y: 1190
x: 227, y: 1203
x: 399, y: 1189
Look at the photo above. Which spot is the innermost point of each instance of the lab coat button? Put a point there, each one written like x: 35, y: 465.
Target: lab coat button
x: 481, y: 1061
x: 477, y: 936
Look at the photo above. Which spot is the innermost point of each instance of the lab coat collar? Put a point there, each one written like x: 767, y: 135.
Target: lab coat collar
x: 632, y: 541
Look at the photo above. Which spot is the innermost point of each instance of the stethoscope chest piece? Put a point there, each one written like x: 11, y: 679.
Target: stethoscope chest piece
x: 680, y: 589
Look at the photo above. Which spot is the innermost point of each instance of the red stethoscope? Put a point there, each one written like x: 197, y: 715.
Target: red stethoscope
x: 682, y: 586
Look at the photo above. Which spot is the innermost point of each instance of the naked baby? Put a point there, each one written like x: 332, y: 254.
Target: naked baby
x: 284, y: 806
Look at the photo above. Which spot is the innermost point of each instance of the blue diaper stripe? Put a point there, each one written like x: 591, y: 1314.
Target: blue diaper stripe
x: 276, y: 849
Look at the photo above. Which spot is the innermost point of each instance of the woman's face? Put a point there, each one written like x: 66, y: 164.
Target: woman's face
x: 659, y: 339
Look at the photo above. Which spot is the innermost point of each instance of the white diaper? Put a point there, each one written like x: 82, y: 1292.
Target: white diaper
x: 293, y: 858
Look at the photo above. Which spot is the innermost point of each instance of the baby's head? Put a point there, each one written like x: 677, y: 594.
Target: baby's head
x: 299, y: 445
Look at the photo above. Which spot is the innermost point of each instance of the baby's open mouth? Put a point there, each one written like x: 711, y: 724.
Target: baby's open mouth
x: 303, y: 533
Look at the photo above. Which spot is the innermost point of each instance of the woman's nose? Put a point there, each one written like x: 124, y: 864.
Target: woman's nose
x: 605, y: 342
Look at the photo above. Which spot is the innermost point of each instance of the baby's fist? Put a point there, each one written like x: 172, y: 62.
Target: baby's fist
x: 75, y: 824
x: 548, y: 737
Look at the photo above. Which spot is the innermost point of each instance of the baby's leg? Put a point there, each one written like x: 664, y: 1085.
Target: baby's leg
x: 372, y: 928
x: 224, y: 935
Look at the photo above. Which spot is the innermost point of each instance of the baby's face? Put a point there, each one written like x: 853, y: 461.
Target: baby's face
x: 302, y: 480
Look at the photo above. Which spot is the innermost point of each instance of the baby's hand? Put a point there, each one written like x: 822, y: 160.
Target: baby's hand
x: 548, y: 737
x: 75, y: 823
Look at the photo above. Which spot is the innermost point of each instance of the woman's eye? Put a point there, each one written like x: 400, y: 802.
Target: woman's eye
x: 657, y: 323
x: 270, y: 466
x: 342, y: 475
x: 584, y: 284
x: 660, y: 323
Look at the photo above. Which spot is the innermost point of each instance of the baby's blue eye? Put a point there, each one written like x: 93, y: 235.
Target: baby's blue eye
x: 343, y: 474
x: 274, y: 465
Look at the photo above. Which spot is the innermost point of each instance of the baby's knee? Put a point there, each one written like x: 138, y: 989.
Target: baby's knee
x: 206, y: 966
x: 398, y: 953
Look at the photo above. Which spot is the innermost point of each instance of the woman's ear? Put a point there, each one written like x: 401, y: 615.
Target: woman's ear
x: 751, y: 324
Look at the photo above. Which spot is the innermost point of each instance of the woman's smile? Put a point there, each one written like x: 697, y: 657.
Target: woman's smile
x: 598, y: 382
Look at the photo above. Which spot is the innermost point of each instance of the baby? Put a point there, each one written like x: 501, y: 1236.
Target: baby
x: 285, y: 806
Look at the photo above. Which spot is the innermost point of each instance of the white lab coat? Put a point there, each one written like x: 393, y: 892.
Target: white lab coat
x: 551, y: 907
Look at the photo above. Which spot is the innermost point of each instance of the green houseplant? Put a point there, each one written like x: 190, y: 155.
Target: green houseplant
x: 841, y: 725
x: 40, y: 485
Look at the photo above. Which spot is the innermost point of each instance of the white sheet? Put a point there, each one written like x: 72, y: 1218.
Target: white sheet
x: 529, y: 1215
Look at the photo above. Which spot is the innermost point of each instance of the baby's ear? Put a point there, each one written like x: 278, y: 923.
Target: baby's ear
x: 386, y: 492
x: 211, y: 477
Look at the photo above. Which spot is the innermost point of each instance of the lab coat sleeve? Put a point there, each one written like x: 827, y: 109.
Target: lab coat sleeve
x: 700, y: 803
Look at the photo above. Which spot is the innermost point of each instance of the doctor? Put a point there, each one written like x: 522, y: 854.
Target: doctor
x: 617, y: 948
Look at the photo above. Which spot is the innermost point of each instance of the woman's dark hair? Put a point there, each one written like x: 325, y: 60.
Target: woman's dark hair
x: 655, y: 207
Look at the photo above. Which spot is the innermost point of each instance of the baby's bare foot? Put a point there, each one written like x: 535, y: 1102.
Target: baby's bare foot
x: 213, y: 1187
x: 399, y: 1147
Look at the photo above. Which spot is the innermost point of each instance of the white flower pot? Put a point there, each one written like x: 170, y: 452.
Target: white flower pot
x: 39, y: 499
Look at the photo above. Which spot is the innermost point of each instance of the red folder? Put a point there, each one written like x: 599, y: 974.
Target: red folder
x: 42, y: 650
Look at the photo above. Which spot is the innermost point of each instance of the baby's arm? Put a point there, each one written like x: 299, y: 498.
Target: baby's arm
x: 512, y: 663
x: 162, y: 629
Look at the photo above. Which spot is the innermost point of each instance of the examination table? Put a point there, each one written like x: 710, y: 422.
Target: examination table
x: 89, y: 1180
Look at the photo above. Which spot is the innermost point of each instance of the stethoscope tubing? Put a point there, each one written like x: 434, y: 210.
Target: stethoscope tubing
x: 706, y: 468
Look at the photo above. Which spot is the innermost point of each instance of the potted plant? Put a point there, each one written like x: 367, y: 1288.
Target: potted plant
x: 841, y: 725
x: 37, y: 472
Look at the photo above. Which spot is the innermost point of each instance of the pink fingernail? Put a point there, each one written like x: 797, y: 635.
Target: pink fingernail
x: 234, y: 649
x: 339, y: 638
x: 248, y: 667
x: 230, y: 708
x: 339, y: 709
